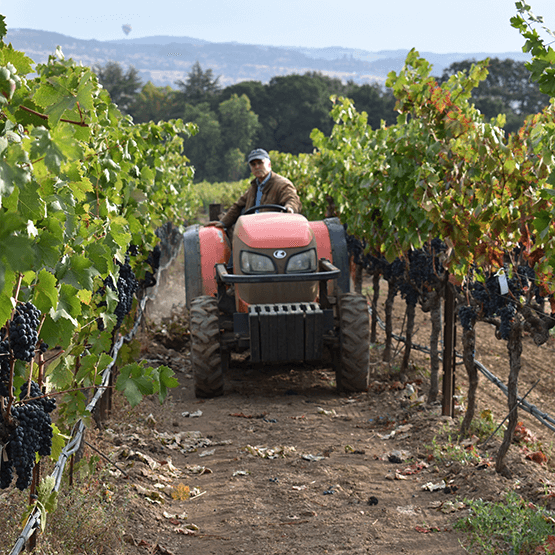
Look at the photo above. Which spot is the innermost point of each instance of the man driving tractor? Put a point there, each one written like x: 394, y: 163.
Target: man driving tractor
x: 278, y: 286
x: 267, y: 187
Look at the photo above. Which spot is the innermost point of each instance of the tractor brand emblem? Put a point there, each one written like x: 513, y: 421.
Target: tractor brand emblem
x: 280, y: 254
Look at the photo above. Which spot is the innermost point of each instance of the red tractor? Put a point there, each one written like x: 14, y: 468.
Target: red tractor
x: 282, y: 291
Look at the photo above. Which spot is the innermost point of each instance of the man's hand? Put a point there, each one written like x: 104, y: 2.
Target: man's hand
x: 215, y: 224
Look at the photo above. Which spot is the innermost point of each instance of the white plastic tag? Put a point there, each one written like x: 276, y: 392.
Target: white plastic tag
x: 503, y: 284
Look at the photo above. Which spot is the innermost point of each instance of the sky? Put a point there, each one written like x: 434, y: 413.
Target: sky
x: 439, y: 26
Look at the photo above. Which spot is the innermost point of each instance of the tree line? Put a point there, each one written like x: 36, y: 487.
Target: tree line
x: 280, y: 115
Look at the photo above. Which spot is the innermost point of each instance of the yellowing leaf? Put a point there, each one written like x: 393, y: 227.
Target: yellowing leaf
x: 181, y: 492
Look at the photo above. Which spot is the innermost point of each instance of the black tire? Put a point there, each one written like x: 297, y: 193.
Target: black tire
x: 205, y: 347
x: 352, y: 364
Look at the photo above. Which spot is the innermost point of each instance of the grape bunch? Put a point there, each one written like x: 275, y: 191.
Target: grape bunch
x: 372, y: 264
x: 153, y: 260
x: 493, y: 304
x: 355, y: 248
x: 506, y: 317
x: 30, y: 434
x: 4, y: 368
x: 22, y: 331
x: 126, y: 286
x: 467, y: 317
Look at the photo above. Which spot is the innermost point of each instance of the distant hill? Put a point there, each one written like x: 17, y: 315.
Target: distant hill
x: 165, y: 60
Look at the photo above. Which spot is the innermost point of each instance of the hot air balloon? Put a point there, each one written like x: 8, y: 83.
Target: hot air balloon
x: 126, y: 28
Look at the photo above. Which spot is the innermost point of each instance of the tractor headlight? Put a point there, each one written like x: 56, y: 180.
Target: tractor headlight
x: 254, y: 263
x: 302, y: 262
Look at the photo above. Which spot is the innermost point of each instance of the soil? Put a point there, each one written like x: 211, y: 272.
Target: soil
x: 282, y: 463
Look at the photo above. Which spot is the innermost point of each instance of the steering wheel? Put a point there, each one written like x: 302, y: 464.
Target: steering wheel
x: 274, y: 207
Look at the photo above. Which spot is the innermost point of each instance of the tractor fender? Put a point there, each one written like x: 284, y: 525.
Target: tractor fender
x: 331, y: 243
x: 204, y: 247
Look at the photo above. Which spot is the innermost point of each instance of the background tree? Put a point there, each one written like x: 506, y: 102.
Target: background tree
x: 296, y: 104
x: 507, y: 90
x: 204, y: 149
x: 239, y: 126
x: 123, y: 86
x: 199, y: 86
x: 154, y: 104
x: 218, y: 151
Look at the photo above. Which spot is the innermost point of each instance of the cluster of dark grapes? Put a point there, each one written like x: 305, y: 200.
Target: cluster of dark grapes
x: 18, y: 340
x: 355, y: 248
x: 526, y: 279
x: 22, y: 331
x: 492, y: 303
x: 424, y: 266
x: 30, y: 433
x: 4, y: 368
x: 133, y: 250
x: 506, y: 316
x: 397, y: 276
x: 372, y: 264
x: 467, y: 316
x: 153, y: 260
x: 126, y: 286
x: 395, y: 271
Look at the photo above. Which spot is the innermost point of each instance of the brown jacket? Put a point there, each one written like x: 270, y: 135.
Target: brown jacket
x: 277, y: 190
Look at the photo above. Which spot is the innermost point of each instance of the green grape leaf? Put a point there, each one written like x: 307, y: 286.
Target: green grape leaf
x: 165, y: 379
x: 134, y: 384
x: 44, y: 148
x: 80, y: 272
x: 47, y: 249
x: 58, y: 328
x: 91, y: 367
x: 58, y: 442
x: 60, y: 370
x: 45, y: 291
x: 18, y: 252
x: 119, y: 231
x: 22, y: 63
x: 3, y: 28
x: 13, y: 169
x: 69, y: 301
x: 7, y: 280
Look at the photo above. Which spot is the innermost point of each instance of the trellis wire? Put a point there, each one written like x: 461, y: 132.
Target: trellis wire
x: 543, y: 417
x: 170, y: 251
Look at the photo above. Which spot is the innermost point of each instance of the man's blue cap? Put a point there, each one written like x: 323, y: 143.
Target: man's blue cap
x: 257, y: 154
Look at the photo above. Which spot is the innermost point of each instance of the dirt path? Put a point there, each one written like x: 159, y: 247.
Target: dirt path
x: 283, y: 464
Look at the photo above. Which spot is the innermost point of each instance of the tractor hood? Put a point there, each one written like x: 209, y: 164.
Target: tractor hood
x: 274, y: 230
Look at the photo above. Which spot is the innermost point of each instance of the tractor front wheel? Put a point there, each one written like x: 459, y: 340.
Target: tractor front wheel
x: 352, y: 362
x: 206, y: 357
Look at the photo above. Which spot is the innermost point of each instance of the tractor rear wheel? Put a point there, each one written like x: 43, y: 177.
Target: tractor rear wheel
x: 206, y: 357
x: 352, y: 364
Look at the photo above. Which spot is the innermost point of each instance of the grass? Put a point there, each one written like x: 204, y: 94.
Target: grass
x: 484, y: 426
x: 512, y: 526
x: 449, y: 450
x: 446, y: 448
x: 89, y: 517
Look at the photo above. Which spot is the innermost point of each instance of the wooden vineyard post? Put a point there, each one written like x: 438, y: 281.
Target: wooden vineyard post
x: 214, y: 211
x: 449, y: 337
x: 104, y: 407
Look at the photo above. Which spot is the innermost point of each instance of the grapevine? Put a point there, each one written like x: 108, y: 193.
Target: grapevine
x: 126, y: 286
x: 444, y: 172
x: 81, y: 186
x: 30, y: 433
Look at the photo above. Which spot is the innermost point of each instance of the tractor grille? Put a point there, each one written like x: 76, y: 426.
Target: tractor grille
x: 292, y: 331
